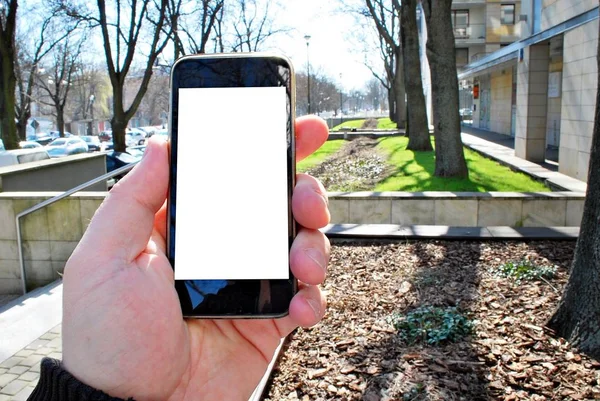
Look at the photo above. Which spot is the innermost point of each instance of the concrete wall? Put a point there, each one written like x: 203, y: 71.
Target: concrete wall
x: 60, y: 174
x: 481, y: 209
x: 49, y: 235
x: 555, y: 102
x: 500, y: 109
x: 496, y: 32
x: 579, y: 83
x: 557, y: 11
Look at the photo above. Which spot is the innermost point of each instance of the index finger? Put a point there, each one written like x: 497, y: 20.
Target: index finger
x: 311, y: 133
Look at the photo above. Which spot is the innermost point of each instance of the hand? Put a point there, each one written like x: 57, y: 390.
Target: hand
x: 123, y: 331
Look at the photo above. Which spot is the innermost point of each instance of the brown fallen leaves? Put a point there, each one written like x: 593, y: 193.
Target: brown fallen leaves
x: 355, y: 354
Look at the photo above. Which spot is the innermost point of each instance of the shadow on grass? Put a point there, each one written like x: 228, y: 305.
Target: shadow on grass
x: 414, y: 171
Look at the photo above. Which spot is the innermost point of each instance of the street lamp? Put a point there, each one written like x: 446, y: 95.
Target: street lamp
x: 307, y: 38
x: 341, y: 101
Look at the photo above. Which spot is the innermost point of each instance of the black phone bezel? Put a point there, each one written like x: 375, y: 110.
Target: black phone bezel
x: 239, y: 298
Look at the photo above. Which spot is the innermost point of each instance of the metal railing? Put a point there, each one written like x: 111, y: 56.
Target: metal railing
x: 52, y: 200
x: 471, y: 31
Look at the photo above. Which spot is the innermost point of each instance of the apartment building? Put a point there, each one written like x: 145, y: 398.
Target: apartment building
x: 483, y: 26
x: 541, y: 88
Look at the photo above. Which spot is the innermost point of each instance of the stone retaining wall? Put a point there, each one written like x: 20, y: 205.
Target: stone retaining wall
x: 472, y: 209
x: 51, y: 234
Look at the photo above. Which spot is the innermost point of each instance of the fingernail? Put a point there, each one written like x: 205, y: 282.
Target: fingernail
x: 316, y: 256
x: 315, y: 306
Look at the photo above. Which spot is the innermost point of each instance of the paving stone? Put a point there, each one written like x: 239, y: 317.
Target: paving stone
x: 49, y: 336
x: 44, y: 351
x: 12, y: 361
x: 3, y: 371
x: 30, y: 376
x: 37, y: 344
x: 24, y: 394
x: 57, y: 329
x: 6, y: 378
x: 32, y: 360
x: 56, y: 355
x: 18, y: 370
x: 14, y: 387
x: 4, y: 397
x: 55, y: 343
x: 25, y: 353
x: 35, y: 368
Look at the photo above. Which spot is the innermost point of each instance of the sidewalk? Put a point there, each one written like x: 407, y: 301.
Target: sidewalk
x: 502, y: 149
x: 30, y: 325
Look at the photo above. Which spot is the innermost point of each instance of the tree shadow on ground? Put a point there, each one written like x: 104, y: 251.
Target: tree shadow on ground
x: 445, y: 275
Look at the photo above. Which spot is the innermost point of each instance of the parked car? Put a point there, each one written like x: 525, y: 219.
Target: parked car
x: 93, y: 142
x: 129, y: 141
x: 66, y: 146
x: 20, y: 156
x: 43, y: 138
x: 115, y: 160
x: 29, y: 145
x: 2, y: 145
x: 56, y: 134
x: 138, y: 137
x: 105, y: 136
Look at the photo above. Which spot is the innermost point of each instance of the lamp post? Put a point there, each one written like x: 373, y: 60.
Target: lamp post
x: 307, y: 38
x: 341, y: 101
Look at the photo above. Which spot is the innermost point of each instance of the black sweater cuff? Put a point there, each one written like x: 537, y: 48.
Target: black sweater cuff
x: 56, y: 384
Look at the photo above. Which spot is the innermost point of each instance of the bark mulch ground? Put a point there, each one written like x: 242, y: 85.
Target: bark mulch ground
x: 355, y: 353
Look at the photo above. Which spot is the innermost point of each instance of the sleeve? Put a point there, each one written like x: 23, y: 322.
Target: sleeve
x: 56, y: 384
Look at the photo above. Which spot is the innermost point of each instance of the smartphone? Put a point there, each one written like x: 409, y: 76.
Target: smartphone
x: 232, y: 172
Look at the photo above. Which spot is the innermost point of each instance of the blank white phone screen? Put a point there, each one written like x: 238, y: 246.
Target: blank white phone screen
x: 231, y: 197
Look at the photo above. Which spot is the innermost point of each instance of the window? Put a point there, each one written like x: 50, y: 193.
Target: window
x: 507, y: 14
x: 460, y: 18
x: 462, y: 56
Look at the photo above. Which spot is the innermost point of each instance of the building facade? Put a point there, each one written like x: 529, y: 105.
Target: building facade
x: 541, y: 88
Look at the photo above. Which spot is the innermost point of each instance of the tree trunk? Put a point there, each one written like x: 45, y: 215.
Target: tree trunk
x: 449, y: 155
x: 392, y: 105
x: 8, y: 80
x: 418, y: 127
x: 399, y: 91
x: 60, y: 121
x: 22, y: 126
x: 578, y: 315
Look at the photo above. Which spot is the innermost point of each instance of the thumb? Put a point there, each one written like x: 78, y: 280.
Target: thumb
x: 123, y: 224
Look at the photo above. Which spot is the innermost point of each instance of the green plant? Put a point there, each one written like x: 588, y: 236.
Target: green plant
x: 525, y: 270
x: 432, y: 325
x: 416, y: 393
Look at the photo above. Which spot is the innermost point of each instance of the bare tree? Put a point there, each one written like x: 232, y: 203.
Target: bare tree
x: 59, y: 79
x: 386, y: 17
x: 417, y: 127
x: 8, y: 80
x: 191, y: 24
x: 449, y: 155
x: 155, y: 104
x: 90, y: 94
x: 254, y: 25
x: 578, y: 315
x: 133, y: 33
x: 34, y: 44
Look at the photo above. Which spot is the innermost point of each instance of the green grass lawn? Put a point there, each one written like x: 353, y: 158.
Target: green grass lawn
x: 382, y: 123
x: 414, y: 173
x: 328, y: 148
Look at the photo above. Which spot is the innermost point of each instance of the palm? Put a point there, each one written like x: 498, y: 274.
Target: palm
x: 123, y: 330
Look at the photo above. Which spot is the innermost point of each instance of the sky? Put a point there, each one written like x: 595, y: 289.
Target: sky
x: 331, y: 48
